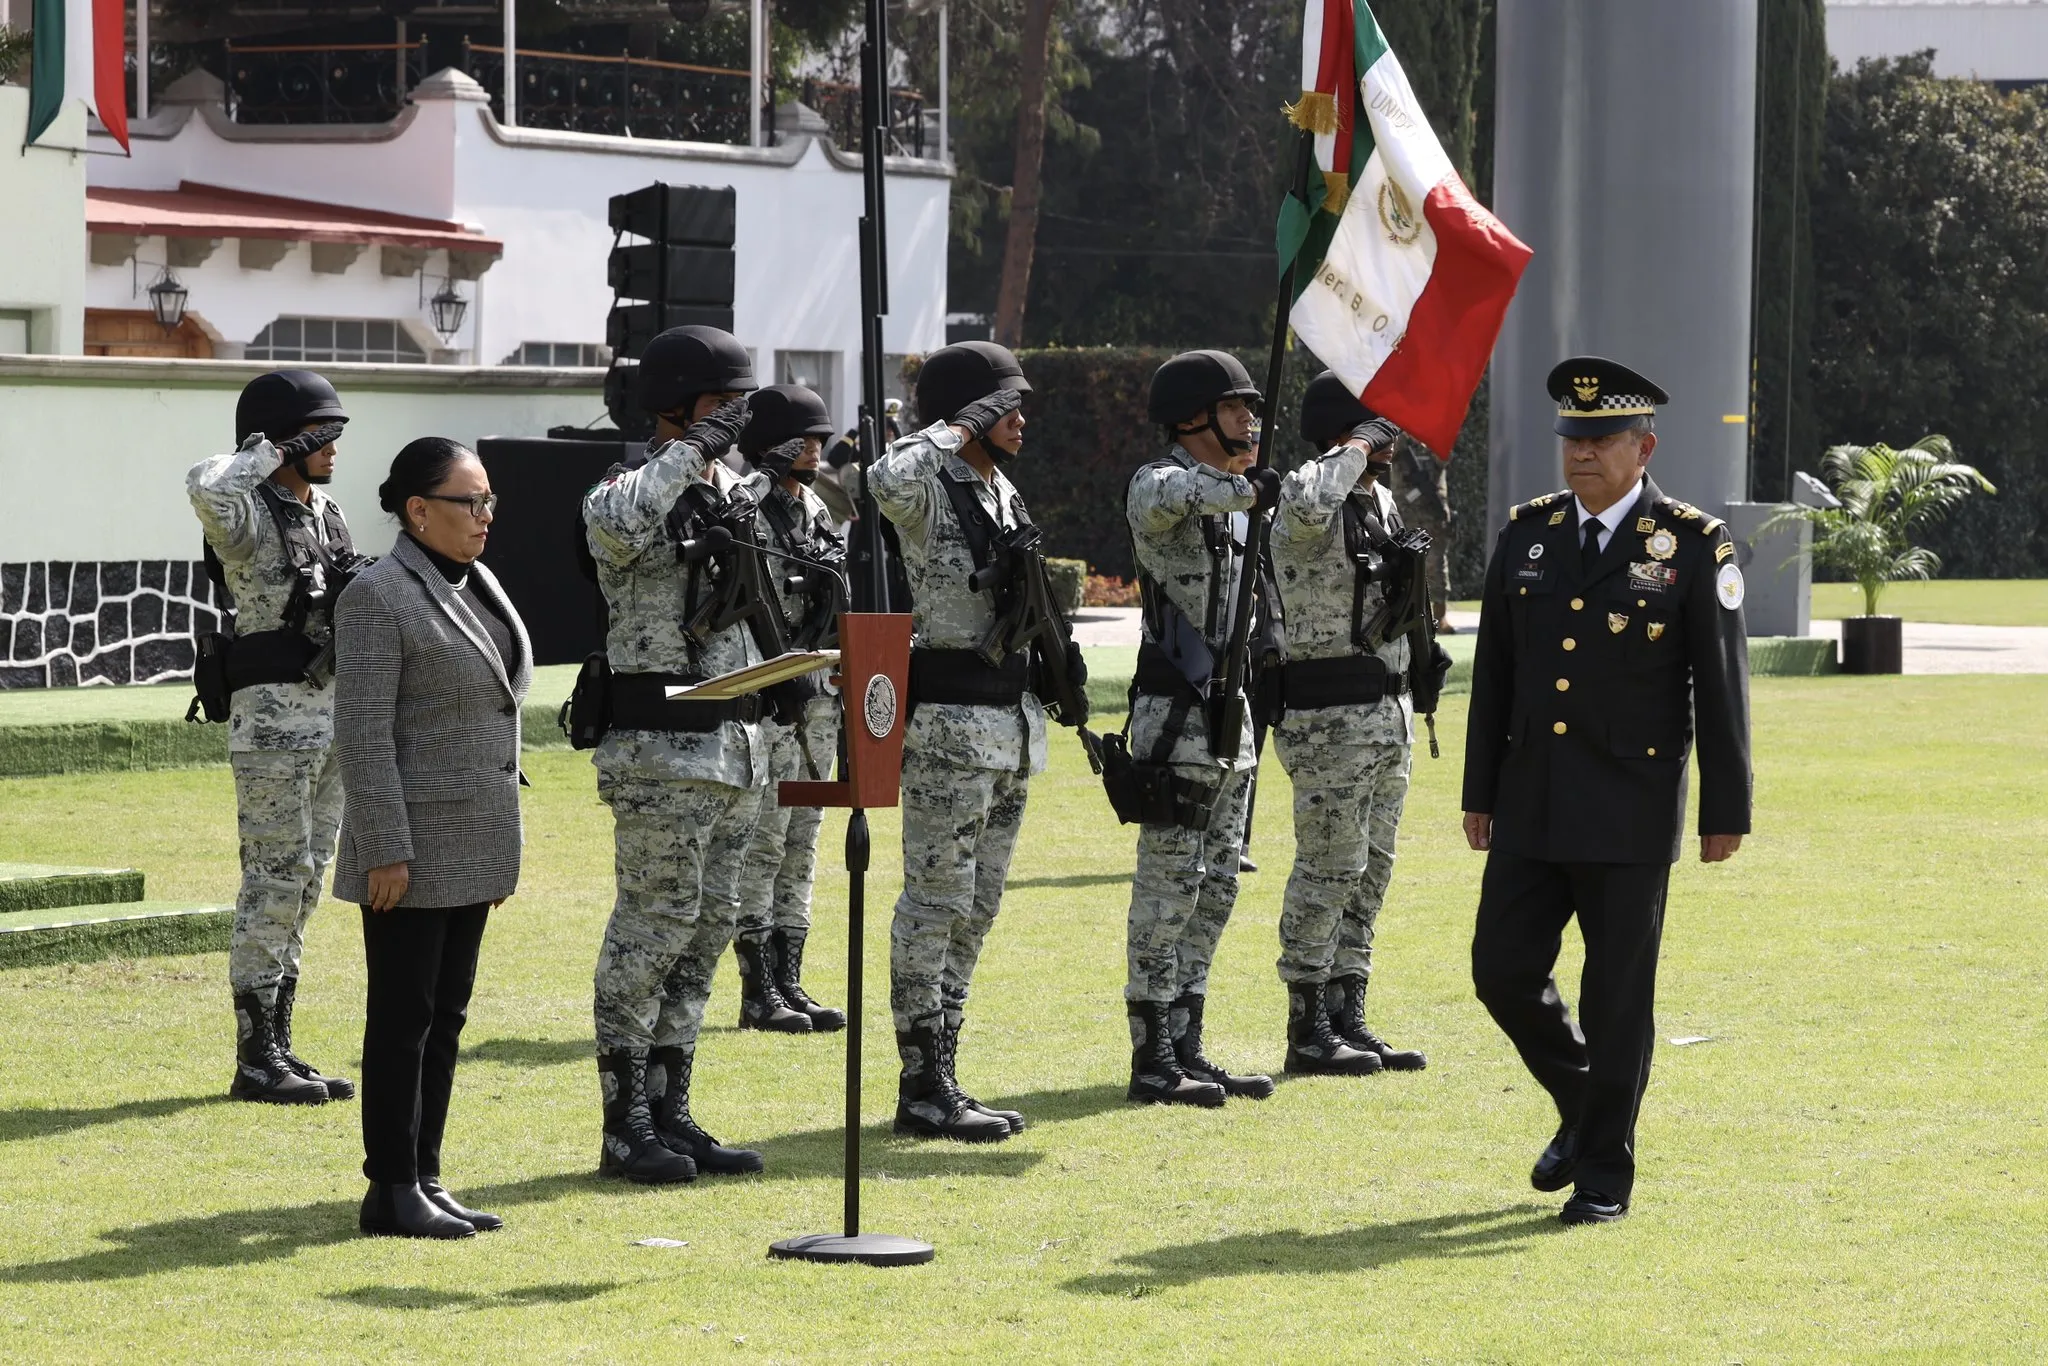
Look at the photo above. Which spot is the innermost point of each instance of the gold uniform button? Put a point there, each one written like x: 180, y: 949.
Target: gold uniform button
x: 1558, y: 728
x: 1570, y: 644
x: 1525, y: 592
x: 1653, y: 751
x: 1641, y: 603
x: 1564, y: 685
x: 1578, y: 604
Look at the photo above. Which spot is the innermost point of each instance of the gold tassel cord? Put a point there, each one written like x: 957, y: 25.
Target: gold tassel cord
x: 1336, y: 192
x: 1315, y: 111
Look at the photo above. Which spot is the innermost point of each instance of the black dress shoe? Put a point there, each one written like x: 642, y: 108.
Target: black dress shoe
x: 1591, y: 1207
x: 1553, y: 1170
x: 438, y: 1196
x: 392, y: 1210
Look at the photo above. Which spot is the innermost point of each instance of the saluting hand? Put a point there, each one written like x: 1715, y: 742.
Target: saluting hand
x: 1479, y: 830
x: 388, y: 884
x: 1718, y: 848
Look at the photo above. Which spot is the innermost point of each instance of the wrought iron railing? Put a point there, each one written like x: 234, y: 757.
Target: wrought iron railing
x: 636, y: 97
x: 838, y: 103
x: 337, y: 83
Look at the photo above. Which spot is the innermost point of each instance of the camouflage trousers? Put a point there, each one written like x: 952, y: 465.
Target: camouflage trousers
x: 959, y: 831
x: 678, y: 846
x: 782, y: 856
x: 287, y: 810
x: 1181, y: 898
x: 1350, y: 768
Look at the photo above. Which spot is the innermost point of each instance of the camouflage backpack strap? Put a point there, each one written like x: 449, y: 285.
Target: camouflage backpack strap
x: 977, y: 527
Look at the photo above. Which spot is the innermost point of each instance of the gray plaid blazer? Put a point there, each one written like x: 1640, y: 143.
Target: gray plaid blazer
x: 426, y: 726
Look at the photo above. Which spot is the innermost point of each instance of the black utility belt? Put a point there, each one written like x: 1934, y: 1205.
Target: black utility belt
x: 279, y: 656
x: 640, y: 702
x: 1157, y: 677
x: 1352, y: 680
x: 964, y: 678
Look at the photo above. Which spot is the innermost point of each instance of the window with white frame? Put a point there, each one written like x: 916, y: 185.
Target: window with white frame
x: 560, y: 354
x: 334, y: 339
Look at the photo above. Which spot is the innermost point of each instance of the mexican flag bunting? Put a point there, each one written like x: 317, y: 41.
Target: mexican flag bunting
x: 1401, y: 277
x: 80, y: 52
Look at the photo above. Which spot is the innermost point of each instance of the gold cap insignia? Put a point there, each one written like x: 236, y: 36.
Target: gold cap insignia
x: 1586, y: 387
x: 1616, y: 622
x: 1656, y: 629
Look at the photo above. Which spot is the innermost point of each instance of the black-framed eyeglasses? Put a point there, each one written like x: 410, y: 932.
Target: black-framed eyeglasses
x: 480, y: 505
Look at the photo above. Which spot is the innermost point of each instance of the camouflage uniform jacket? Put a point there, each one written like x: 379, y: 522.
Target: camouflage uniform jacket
x: 259, y: 573
x: 1315, y: 576
x: 1166, y: 505
x: 947, y: 614
x: 815, y: 539
x: 644, y: 584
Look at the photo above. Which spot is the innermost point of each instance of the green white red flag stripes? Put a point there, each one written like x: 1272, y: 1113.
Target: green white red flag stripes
x: 79, y: 52
x: 1401, y: 277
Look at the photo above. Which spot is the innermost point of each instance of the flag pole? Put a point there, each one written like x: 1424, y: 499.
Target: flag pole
x: 1226, y: 734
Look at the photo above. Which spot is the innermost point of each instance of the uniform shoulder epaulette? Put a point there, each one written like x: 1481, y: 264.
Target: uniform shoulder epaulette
x: 1537, y: 504
x: 1686, y: 512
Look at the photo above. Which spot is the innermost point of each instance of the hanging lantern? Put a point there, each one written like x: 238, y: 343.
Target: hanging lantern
x: 448, y: 309
x: 167, y: 300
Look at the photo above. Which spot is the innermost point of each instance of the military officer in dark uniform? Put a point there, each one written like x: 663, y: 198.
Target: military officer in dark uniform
x: 1610, y: 639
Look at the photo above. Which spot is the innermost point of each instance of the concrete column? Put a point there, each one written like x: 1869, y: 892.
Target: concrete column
x: 1624, y: 155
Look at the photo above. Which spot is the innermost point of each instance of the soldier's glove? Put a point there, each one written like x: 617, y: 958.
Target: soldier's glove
x: 1265, y: 487
x: 715, y: 432
x: 306, y: 444
x: 1378, y: 434
x: 780, y: 459
x: 981, y: 416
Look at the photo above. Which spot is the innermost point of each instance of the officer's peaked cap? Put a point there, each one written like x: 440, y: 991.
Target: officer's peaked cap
x: 280, y: 403
x: 1195, y: 381
x: 779, y: 412
x: 1329, y: 410
x: 954, y: 376
x: 1596, y: 396
x: 684, y: 362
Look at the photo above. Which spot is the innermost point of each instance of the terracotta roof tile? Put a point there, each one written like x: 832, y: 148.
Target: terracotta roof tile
x: 196, y: 210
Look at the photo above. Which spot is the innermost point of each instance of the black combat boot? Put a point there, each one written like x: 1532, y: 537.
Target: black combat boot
x: 1346, y: 1000
x: 1185, y: 1018
x: 761, y: 1003
x: 679, y: 1131
x: 929, y: 1103
x: 338, y: 1088
x: 1312, y: 1046
x: 1156, y: 1075
x: 262, y: 1072
x: 788, y: 948
x: 955, y: 1020
x: 632, y: 1149
x: 391, y: 1210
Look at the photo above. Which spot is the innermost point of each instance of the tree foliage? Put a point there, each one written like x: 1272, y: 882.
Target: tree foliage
x: 1932, y: 308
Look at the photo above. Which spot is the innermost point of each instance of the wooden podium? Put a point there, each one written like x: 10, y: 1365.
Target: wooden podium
x: 874, y: 683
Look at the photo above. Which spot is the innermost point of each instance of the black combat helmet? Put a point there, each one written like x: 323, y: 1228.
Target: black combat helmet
x: 684, y: 362
x: 1329, y: 411
x: 954, y: 376
x: 1194, y: 382
x: 280, y: 403
x: 779, y: 412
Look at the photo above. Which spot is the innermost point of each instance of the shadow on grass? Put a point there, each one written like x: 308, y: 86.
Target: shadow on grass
x: 16, y: 1125
x: 1290, y: 1252
x: 428, y: 1297
x: 532, y: 1052
x: 248, y: 1236
x: 1071, y: 880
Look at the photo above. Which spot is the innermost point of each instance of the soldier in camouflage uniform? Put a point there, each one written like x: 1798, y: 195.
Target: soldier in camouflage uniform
x: 1189, y: 517
x: 976, y: 734
x: 1344, y: 736
x: 684, y: 780
x: 279, y: 548
x: 782, y: 439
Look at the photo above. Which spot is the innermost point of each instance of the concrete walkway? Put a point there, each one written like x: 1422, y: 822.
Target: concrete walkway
x: 1931, y: 647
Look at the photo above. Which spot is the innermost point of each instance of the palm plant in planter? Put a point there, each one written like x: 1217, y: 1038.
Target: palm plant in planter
x: 1885, y: 497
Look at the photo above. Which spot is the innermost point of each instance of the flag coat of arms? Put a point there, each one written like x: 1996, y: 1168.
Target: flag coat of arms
x: 1401, y: 277
x: 79, y: 52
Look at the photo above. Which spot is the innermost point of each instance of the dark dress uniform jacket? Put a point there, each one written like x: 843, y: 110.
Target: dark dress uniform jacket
x: 1588, y: 690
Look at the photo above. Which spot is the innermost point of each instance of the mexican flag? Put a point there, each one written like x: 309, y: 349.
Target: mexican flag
x: 80, y: 52
x: 1401, y: 277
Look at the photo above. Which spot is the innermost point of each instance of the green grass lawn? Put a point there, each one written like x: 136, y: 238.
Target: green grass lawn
x: 1966, y: 602
x: 1851, y: 1168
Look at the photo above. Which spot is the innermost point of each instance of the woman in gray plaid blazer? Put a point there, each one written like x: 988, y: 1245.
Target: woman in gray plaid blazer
x: 431, y: 666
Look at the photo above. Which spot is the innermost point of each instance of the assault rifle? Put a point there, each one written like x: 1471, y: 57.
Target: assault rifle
x: 1405, y: 609
x: 1027, y: 618
x: 730, y: 552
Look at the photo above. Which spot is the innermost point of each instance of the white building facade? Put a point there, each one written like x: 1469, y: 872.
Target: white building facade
x: 2005, y: 41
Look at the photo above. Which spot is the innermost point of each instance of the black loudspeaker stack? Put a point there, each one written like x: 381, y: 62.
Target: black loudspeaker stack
x: 678, y: 272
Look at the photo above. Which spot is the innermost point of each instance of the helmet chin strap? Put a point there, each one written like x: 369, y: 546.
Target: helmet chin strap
x: 1232, y: 446
x: 994, y: 452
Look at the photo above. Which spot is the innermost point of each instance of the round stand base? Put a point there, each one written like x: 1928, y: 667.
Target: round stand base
x: 873, y: 1249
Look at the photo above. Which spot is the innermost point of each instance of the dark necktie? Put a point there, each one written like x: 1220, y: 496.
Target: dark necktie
x: 1590, y: 551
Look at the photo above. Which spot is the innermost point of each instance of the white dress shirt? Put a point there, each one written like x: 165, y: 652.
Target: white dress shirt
x: 1610, y: 519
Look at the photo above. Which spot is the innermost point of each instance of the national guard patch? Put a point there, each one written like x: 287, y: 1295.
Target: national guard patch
x: 1728, y: 586
x: 1662, y: 545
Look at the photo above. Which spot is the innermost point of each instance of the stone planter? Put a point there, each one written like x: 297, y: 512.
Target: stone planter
x: 1873, y: 645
